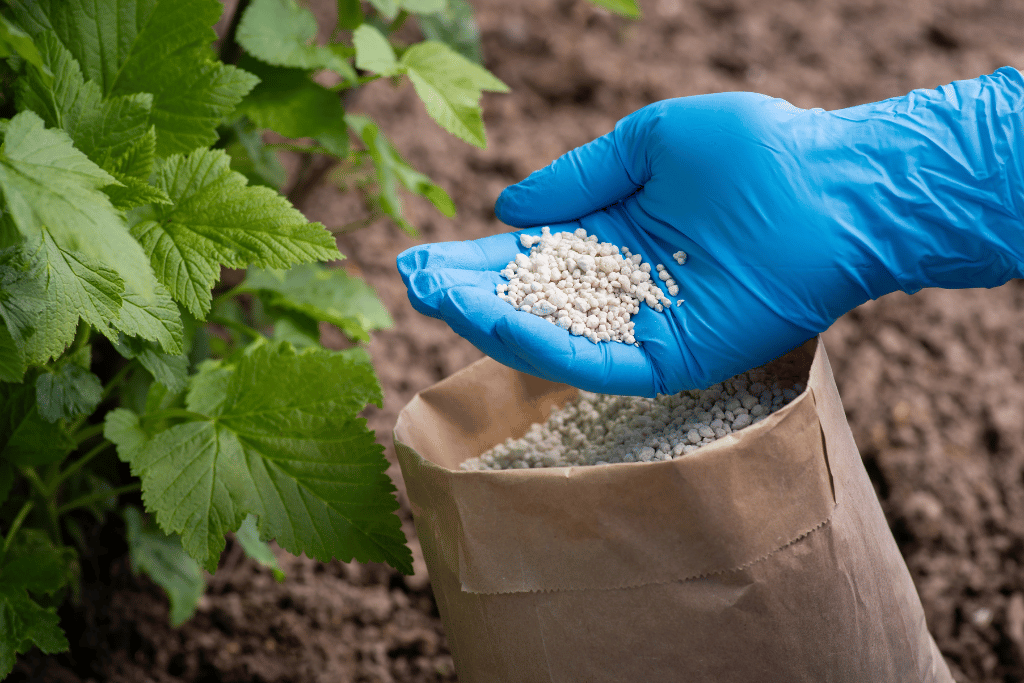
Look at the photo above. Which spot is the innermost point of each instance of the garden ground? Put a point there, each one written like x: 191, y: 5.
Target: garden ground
x: 933, y: 384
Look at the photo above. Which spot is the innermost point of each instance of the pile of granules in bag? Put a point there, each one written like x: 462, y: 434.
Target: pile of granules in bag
x: 600, y: 429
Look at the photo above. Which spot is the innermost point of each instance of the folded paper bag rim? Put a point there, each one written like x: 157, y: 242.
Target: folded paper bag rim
x: 728, y: 505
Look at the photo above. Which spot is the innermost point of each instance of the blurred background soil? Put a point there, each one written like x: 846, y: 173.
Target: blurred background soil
x: 933, y: 384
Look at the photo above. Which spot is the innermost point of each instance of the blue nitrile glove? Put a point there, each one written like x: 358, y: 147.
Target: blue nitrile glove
x: 790, y: 218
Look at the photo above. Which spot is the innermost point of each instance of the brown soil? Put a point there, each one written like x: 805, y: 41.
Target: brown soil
x: 933, y: 384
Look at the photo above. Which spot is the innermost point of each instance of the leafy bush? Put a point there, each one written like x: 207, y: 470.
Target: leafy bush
x: 133, y: 169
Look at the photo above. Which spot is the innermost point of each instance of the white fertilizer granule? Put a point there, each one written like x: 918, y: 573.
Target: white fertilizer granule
x: 599, y: 429
x: 589, y: 288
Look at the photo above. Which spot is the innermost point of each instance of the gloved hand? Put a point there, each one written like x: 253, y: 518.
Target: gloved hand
x: 790, y: 218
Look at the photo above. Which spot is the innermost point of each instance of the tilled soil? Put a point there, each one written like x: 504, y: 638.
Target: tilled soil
x: 933, y: 384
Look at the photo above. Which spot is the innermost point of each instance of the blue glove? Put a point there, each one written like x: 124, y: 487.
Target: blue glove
x: 790, y: 218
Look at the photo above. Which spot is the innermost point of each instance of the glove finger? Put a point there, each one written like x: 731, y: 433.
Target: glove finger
x: 474, y: 313
x: 487, y: 253
x: 427, y: 288
x: 552, y: 353
x: 584, y: 180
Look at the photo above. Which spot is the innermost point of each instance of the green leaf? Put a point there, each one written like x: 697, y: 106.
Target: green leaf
x: 387, y: 8
x: 455, y: 27
x: 374, y: 52
x: 26, y: 438
x: 281, y: 33
x: 33, y: 562
x: 67, y: 391
x: 138, y: 161
x: 159, y: 47
x: 391, y: 170
x: 157, y: 319
x: 22, y: 301
x: 45, y: 181
x: 101, y: 128
x: 133, y: 193
x: 169, y: 370
x: 291, y: 103
x: 626, y: 8
x: 217, y: 220
x: 15, y: 41
x: 350, y: 14
x: 450, y: 86
x: 161, y: 557
x: 24, y: 623
x: 328, y: 294
x: 423, y: 6
x: 301, y: 331
x: 252, y: 158
x: 73, y: 286
x: 277, y: 436
x: 12, y: 357
x: 257, y: 549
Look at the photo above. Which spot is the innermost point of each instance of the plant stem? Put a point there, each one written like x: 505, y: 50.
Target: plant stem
x: 225, y: 295
x: 79, y: 464
x: 96, y: 497
x: 234, y: 325
x: 16, y: 524
x: 81, y: 337
x: 116, y: 380
x: 86, y: 433
x: 170, y: 413
x: 44, y: 493
x: 230, y: 50
x: 398, y: 21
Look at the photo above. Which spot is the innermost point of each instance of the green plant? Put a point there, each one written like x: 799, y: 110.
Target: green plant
x: 133, y: 169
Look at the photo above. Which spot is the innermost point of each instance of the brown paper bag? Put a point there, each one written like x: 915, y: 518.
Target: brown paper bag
x: 761, y: 557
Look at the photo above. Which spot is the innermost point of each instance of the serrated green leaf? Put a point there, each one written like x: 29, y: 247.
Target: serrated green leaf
x: 350, y: 14
x: 301, y: 331
x: 121, y: 426
x: 134, y: 192
x: 161, y: 557
x: 24, y: 623
x: 67, y: 391
x: 257, y: 549
x: 328, y: 294
x: 217, y: 220
x: 291, y: 103
x: 626, y: 8
x: 12, y: 357
x: 22, y: 301
x: 285, y: 444
x: 169, y: 370
x: 16, y: 41
x: 45, y: 181
x: 157, y: 320
x: 138, y: 161
x: 252, y: 158
x: 391, y: 170
x: 281, y: 33
x: 450, y: 87
x: 159, y: 47
x: 101, y: 128
x: 455, y: 27
x: 34, y: 563
x: 374, y: 52
x: 73, y: 286
x: 25, y: 437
